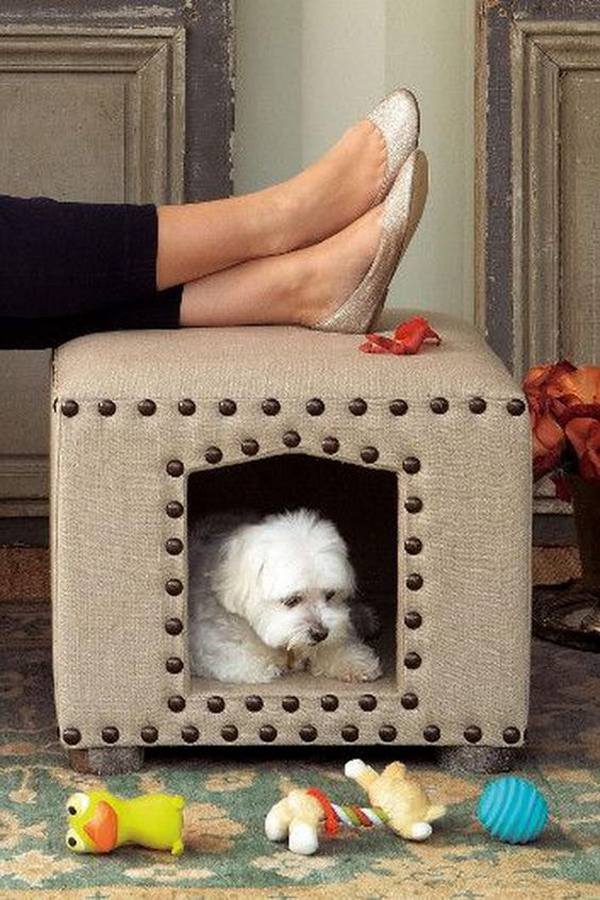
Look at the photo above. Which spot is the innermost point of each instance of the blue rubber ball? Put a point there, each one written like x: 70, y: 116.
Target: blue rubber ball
x: 513, y: 809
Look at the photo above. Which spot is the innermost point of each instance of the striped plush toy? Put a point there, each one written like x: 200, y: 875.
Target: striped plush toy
x: 398, y: 802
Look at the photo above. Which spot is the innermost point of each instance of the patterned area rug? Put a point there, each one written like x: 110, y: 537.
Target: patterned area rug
x: 227, y: 855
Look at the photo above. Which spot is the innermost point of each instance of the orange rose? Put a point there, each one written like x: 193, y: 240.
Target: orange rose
x: 541, y: 389
x: 548, y: 444
x: 584, y: 435
x: 579, y: 394
x: 540, y: 384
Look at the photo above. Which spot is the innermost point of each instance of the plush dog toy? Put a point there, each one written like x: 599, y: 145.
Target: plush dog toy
x: 99, y: 822
x: 398, y: 801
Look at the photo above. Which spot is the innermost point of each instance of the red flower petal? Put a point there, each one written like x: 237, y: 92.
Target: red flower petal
x: 407, y: 338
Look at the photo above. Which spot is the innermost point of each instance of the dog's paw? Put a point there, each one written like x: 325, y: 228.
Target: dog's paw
x: 361, y: 670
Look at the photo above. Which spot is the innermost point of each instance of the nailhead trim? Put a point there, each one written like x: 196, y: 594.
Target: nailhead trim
x: 186, y: 407
x: 439, y: 405
x: 511, y: 735
x: 358, y: 406
x: 308, y: 733
x: 414, y: 582
x: 229, y: 733
x: 174, y: 509
x: 329, y: 702
x: 227, y: 407
x: 369, y: 454
x: 149, y: 734
x: 367, y: 702
x: 69, y: 408
x: 473, y: 734
x: 413, y: 620
x: 176, y: 703
x: 413, y: 545
x: 147, y: 407
x: 291, y: 439
x: 515, y: 407
x: 290, y: 704
x: 315, y: 407
x: 477, y: 405
x: 388, y: 733
x: 431, y: 734
x: 174, y: 546
x: 271, y: 406
x: 215, y: 704
x: 71, y: 736
x: 174, y: 626
x: 107, y: 408
x: 110, y: 734
x: 174, y: 665
x: 350, y: 733
x: 411, y: 465
x: 174, y: 587
x: 412, y: 660
x: 398, y: 407
x: 267, y: 733
x: 250, y: 447
x: 175, y: 468
x: 330, y: 445
x: 413, y: 504
x: 254, y: 703
x: 409, y: 700
x: 213, y: 455
x: 190, y: 734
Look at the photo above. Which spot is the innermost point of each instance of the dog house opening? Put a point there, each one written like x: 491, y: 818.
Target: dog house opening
x: 240, y: 631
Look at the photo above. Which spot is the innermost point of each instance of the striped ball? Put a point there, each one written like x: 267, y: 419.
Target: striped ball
x: 512, y: 809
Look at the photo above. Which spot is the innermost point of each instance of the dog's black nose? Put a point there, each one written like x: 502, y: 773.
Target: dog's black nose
x: 317, y: 634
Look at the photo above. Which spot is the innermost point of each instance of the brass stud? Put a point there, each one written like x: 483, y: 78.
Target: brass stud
x: 413, y: 545
x: 411, y: 465
x: 413, y: 620
x: 412, y: 660
x: 229, y: 733
x: 190, y: 734
x: 176, y: 703
x: 149, y: 734
x: 358, y: 406
x: 398, y: 407
x: 227, y: 407
x: 511, y: 735
x: 174, y: 626
x: 213, y: 455
x: 477, y: 405
x: 473, y: 734
x: 350, y: 733
x: 110, y: 734
x: 107, y: 408
x: 367, y: 702
x: 413, y: 504
x: 71, y: 736
x: 174, y: 587
x: 329, y: 702
x: 175, y: 468
x: 409, y: 700
x: 215, y: 704
x: 315, y: 407
x: 69, y: 408
x: 439, y: 405
x: 414, y: 582
x: 174, y: 509
x: 369, y: 454
x: 174, y: 546
x: 249, y: 447
x: 270, y: 406
x: 267, y: 733
x: 330, y: 445
x: 186, y: 407
x: 291, y: 439
x: 515, y: 407
x: 254, y: 703
x: 431, y: 733
x: 147, y: 407
x: 290, y: 704
x: 174, y: 665
x: 388, y: 733
x: 308, y: 733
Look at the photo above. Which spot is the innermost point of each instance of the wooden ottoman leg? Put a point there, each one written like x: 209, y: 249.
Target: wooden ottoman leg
x: 480, y: 760
x: 107, y: 760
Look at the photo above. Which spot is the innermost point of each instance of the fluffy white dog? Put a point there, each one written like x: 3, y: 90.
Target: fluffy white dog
x: 269, y: 595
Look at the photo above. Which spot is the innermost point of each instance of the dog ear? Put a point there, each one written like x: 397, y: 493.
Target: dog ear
x: 237, y: 575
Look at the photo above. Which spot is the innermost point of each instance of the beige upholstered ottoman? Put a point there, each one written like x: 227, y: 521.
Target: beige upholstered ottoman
x: 422, y: 461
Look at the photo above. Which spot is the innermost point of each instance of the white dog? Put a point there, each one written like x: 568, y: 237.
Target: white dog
x: 269, y: 595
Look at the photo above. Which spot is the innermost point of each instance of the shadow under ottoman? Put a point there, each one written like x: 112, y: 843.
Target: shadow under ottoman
x: 423, y: 461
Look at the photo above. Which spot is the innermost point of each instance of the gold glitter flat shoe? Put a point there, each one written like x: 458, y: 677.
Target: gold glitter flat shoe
x: 401, y: 215
x: 397, y: 118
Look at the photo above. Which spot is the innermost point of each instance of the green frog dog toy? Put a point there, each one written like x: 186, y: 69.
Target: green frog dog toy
x: 100, y: 821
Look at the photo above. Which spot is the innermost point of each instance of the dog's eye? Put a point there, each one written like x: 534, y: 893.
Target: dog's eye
x: 293, y: 600
x: 329, y: 595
